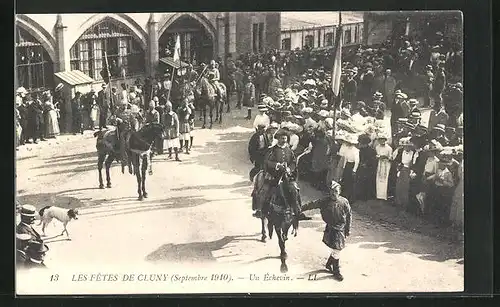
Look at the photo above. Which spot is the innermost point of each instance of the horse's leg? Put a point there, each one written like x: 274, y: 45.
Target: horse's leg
x: 109, y: 160
x: 270, y: 226
x: 100, y: 162
x: 144, y: 167
x: 263, y: 220
x: 221, y: 110
x: 130, y: 171
x: 138, y: 176
x: 211, y: 115
x: 283, y: 254
x: 228, y: 101
x: 150, y: 163
x: 204, y: 111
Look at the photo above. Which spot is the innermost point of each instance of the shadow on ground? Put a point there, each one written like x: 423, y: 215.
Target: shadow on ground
x: 192, y: 252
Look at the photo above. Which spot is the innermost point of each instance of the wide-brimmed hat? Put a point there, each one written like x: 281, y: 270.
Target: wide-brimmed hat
x: 402, y: 120
x: 304, y: 94
x: 445, y: 156
x: 405, y: 142
x: 307, y: 110
x: 323, y: 113
x: 409, y: 125
x: 415, y: 115
x: 333, y: 185
x: 351, y: 139
x: 280, y: 133
x: 28, y: 210
x: 295, y: 128
x: 273, y: 125
x: 439, y: 127
x: 36, y: 248
x: 413, y: 101
x: 267, y: 101
x: 433, y: 146
x: 21, y: 90
x: 401, y: 96
x: 262, y: 107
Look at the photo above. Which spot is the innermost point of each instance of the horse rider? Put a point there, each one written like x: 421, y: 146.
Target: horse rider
x: 336, y: 213
x: 28, y: 213
x: 280, y: 159
x: 257, y: 148
x: 212, y: 69
x: 125, y: 124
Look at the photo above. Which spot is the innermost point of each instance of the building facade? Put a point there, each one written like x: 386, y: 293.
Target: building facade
x: 132, y: 43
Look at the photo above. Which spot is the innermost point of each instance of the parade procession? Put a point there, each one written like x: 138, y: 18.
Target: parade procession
x: 196, y: 141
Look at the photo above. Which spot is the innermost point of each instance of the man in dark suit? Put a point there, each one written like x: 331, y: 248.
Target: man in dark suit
x: 36, y: 254
x: 21, y: 246
x: 104, y: 101
x: 257, y: 148
x: 36, y: 122
x: 28, y: 213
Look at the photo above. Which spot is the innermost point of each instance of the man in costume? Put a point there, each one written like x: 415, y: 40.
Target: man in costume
x: 336, y: 213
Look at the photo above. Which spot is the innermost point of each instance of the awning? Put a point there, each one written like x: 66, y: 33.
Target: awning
x: 170, y: 62
x: 74, y: 77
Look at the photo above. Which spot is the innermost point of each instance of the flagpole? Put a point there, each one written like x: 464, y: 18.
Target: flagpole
x: 171, y: 84
x: 338, y: 39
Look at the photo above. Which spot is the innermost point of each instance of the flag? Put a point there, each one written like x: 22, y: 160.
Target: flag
x: 177, y: 49
x: 337, y: 62
x: 105, y: 69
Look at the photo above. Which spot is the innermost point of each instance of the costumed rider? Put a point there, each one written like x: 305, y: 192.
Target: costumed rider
x: 125, y: 124
x: 214, y: 76
x: 279, y: 159
x: 336, y: 213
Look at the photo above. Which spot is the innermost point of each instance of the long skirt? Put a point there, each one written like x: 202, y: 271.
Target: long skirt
x: 403, y: 187
x: 438, y: 202
x: 347, y: 182
x: 52, y: 124
x: 365, y: 183
x: 457, y: 206
x: 339, y: 169
x: 383, y: 169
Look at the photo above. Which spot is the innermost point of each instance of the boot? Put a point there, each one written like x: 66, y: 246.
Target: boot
x: 249, y: 114
x: 177, y: 155
x: 336, y: 270
x: 182, y: 144
x: 329, y: 264
x: 187, y: 147
x: 170, y: 153
x: 190, y: 142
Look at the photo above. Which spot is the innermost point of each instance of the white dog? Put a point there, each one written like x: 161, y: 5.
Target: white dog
x: 62, y: 215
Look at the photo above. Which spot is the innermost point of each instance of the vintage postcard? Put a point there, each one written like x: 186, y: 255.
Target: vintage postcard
x: 239, y: 152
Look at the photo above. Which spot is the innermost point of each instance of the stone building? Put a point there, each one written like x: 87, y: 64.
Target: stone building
x: 133, y: 43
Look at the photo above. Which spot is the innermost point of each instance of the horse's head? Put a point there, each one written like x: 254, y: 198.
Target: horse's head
x: 151, y: 131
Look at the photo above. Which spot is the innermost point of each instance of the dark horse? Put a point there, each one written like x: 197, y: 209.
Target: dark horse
x: 281, y: 211
x: 207, y: 96
x: 139, y: 146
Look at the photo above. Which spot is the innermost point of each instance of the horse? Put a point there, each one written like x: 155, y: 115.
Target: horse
x: 281, y: 211
x: 140, y: 145
x: 206, y: 95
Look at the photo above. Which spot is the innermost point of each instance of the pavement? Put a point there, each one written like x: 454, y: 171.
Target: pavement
x: 198, y: 221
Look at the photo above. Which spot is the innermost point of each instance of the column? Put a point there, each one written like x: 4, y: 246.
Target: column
x: 221, y: 37
x: 232, y: 33
x: 152, y: 53
x: 63, y: 64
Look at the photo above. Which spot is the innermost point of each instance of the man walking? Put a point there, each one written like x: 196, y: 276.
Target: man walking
x: 336, y: 213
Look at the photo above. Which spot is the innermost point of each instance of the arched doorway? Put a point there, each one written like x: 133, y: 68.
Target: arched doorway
x: 108, y: 37
x: 34, y: 67
x: 196, y: 42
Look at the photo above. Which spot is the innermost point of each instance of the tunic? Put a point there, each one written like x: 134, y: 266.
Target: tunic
x: 184, y: 113
x: 338, y: 217
x: 171, y: 122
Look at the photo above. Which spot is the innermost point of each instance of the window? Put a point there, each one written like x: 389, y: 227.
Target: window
x: 329, y: 39
x: 258, y: 37
x: 356, y: 34
x: 255, y: 37
x: 124, y: 55
x: 347, y: 36
x: 309, y: 41
x: 286, y: 44
x: 34, y: 68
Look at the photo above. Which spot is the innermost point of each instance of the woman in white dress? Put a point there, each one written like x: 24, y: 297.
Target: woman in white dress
x: 51, y: 121
x: 384, y: 156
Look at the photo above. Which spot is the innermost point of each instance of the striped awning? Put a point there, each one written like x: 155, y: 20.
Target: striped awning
x: 170, y: 62
x: 74, y: 77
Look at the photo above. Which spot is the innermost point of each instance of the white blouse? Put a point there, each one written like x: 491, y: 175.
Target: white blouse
x: 294, y: 141
x: 384, y: 150
x: 351, y: 154
x: 431, y: 165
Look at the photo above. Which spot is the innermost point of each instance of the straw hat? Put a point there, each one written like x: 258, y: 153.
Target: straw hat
x: 351, y: 139
x: 324, y: 103
x: 405, y: 142
x: 401, y: 96
x: 413, y: 101
x: 28, y: 210
x: 273, y: 125
x: 310, y: 82
x: 439, y: 127
x: 307, y: 110
x: 21, y: 90
x: 262, y: 107
x: 323, y: 113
